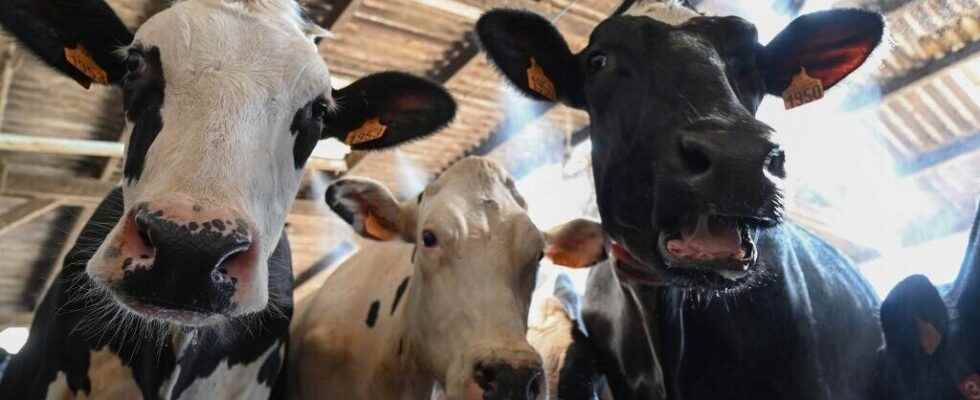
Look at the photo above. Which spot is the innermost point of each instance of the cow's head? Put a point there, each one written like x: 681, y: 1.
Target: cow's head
x: 685, y: 175
x: 224, y: 102
x: 475, y: 259
x: 920, y: 359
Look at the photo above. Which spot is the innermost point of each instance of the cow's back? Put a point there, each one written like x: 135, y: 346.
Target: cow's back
x: 332, y: 339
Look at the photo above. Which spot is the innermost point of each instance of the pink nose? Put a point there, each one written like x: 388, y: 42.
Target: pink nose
x: 181, y: 256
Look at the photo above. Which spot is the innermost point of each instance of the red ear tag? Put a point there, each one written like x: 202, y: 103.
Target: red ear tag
x: 970, y: 387
x: 80, y: 58
x: 539, y: 82
x: 371, y: 130
x: 803, y: 89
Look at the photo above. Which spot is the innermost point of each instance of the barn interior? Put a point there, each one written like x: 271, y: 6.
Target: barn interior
x: 887, y: 167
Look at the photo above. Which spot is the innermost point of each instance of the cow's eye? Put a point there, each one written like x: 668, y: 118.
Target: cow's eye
x: 429, y: 239
x: 319, y: 108
x: 134, y: 63
x: 597, y: 61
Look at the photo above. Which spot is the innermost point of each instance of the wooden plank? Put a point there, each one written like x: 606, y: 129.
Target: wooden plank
x: 89, y: 192
x: 25, y: 213
x: 103, y: 148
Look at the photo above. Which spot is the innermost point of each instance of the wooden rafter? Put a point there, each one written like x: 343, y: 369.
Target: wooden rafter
x: 86, y: 192
x: 25, y: 213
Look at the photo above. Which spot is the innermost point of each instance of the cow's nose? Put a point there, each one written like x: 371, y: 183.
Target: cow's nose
x: 210, y: 243
x: 179, y: 255
x: 500, y: 380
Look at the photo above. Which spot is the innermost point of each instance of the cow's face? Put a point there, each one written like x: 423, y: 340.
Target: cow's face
x: 685, y: 175
x: 224, y: 102
x: 476, y: 255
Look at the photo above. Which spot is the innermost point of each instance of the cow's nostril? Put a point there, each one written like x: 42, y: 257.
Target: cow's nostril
x: 695, y: 157
x: 534, y: 386
x: 486, y: 377
x: 776, y: 162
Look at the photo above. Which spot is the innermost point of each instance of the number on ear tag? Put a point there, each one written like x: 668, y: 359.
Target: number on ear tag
x: 803, y: 89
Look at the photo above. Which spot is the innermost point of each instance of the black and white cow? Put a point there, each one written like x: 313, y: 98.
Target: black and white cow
x: 711, y: 295
x: 931, y: 352
x: 180, y: 286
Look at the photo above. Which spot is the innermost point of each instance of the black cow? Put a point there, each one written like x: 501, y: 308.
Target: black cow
x: 931, y: 352
x: 181, y: 285
x: 711, y: 294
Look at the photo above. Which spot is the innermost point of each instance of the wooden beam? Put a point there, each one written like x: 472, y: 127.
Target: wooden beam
x: 102, y: 148
x: 941, y: 155
x: 89, y: 192
x: 25, y: 213
x: 343, y: 13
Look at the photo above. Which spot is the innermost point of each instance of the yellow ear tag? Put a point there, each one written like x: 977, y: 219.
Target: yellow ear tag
x: 803, y: 89
x: 83, y: 61
x: 539, y: 82
x: 371, y: 130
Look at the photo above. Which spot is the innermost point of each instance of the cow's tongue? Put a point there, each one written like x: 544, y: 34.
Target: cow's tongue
x: 709, y: 239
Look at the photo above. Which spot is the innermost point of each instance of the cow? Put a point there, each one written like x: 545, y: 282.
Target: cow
x: 180, y: 286
x: 931, y: 352
x: 710, y: 293
x: 442, y: 300
x: 556, y: 333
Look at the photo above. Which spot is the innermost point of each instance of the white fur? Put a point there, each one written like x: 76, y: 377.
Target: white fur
x: 236, y: 72
x: 667, y: 11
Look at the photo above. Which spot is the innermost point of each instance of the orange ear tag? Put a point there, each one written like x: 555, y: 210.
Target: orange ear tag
x: 929, y: 336
x: 803, y: 89
x: 539, y: 82
x: 371, y: 130
x: 80, y: 58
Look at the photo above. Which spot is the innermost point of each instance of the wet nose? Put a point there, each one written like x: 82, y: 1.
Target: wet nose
x: 181, y: 255
x: 211, y: 241
x: 703, y: 157
x: 500, y: 380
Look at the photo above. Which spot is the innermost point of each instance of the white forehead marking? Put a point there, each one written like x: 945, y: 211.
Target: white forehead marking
x: 670, y: 12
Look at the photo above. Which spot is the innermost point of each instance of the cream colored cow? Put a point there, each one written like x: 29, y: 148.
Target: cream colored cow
x: 443, y: 301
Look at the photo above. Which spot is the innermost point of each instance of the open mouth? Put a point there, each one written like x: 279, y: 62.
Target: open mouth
x: 711, y: 242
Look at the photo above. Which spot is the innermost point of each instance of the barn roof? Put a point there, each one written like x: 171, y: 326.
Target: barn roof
x: 929, y: 122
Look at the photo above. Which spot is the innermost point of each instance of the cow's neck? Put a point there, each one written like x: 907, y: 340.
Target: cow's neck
x: 405, y: 361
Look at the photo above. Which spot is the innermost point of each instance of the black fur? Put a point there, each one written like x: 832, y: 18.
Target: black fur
x: 401, y: 290
x: 306, y: 128
x: 905, y: 370
x: 408, y: 106
x: 48, y: 26
x: 68, y: 325
x: 372, y: 316
x: 143, y: 92
x: 674, y: 136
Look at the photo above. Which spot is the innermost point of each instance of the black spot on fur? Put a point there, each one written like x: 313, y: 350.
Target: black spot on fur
x: 307, y: 127
x: 270, y: 368
x: 143, y: 100
x: 400, y: 291
x: 372, y: 316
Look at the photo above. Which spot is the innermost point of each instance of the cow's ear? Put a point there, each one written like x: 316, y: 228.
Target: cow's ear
x: 578, y: 243
x: 79, y: 38
x: 370, y: 208
x: 913, y: 318
x: 829, y: 45
x: 386, y: 109
x: 533, y: 55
